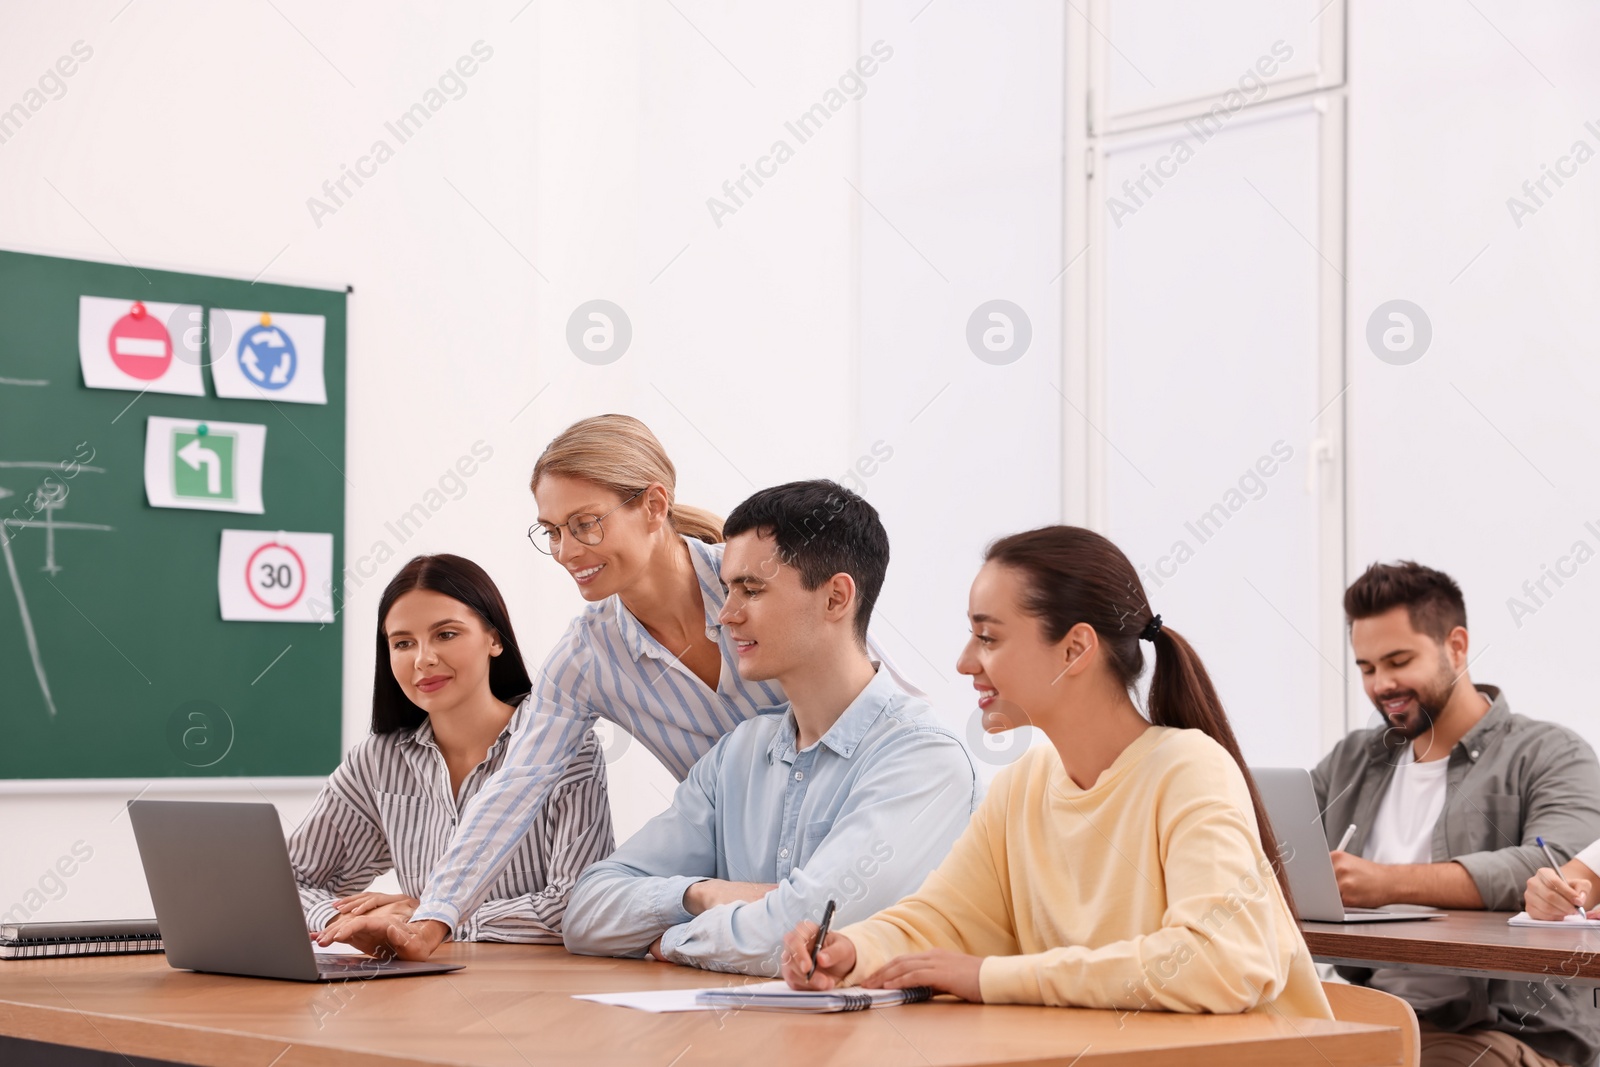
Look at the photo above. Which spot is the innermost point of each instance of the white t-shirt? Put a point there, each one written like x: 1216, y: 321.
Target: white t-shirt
x: 1590, y: 857
x: 1403, y: 833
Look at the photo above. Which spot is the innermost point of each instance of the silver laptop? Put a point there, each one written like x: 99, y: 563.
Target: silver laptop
x: 225, y: 896
x: 1291, y: 803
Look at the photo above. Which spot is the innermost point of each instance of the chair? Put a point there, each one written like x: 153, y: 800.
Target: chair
x: 1359, y: 1004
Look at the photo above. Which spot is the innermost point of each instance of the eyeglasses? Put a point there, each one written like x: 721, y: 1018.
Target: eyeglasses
x: 585, y: 529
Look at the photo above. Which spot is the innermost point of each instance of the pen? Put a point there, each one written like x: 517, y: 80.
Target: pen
x: 822, y: 935
x: 1350, y: 831
x: 1551, y: 856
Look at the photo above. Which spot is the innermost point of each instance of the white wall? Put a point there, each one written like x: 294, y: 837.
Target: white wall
x: 1478, y: 458
x: 584, y: 149
x: 1206, y: 285
x: 962, y: 201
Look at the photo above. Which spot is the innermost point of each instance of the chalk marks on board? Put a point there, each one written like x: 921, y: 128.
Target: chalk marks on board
x: 49, y: 497
x: 28, y: 634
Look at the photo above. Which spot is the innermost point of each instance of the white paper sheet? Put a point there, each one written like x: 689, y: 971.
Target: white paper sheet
x: 218, y: 470
x: 1569, y: 921
x: 652, y: 1000
x: 275, y: 576
x: 278, y: 360
x: 153, y: 347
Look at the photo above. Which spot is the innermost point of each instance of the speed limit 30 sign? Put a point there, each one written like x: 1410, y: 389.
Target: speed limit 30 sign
x: 275, y: 576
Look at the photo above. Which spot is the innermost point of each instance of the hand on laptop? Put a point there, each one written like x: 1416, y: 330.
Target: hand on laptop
x: 366, y: 915
x: 380, y: 934
x: 705, y: 895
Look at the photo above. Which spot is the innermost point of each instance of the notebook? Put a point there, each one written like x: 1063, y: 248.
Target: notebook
x: 20, y: 941
x: 777, y: 996
x: 1569, y: 922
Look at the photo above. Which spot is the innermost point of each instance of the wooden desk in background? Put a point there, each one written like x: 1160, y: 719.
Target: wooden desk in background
x: 512, y: 1007
x: 1478, y: 944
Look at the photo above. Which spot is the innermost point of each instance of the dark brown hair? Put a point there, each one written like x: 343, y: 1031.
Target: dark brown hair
x: 1077, y: 576
x: 821, y: 529
x: 1432, y: 598
x: 463, y: 580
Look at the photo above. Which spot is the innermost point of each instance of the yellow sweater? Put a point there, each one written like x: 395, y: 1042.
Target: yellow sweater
x: 1148, y: 891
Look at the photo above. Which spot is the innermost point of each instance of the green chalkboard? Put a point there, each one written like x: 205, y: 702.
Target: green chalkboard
x: 115, y: 657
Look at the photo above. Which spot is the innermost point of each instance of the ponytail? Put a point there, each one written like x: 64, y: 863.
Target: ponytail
x: 696, y: 522
x: 1077, y: 576
x: 1181, y: 695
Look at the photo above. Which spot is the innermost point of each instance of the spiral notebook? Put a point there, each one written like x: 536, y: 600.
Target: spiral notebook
x: 22, y: 941
x: 777, y: 996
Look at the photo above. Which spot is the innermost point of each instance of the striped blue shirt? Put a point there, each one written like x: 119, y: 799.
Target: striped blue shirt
x: 606, y: 666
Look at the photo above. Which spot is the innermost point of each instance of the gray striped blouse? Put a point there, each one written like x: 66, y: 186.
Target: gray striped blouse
x: 388, y: 805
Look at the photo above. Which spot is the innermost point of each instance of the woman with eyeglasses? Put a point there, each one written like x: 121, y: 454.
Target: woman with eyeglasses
x: 646, y: 654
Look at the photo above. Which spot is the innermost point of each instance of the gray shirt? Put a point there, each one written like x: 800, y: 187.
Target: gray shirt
x: 1511, y: 779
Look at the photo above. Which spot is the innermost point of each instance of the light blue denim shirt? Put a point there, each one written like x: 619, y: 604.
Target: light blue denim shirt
x: 859, y: 817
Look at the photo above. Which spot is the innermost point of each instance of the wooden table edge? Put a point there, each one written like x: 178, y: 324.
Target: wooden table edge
x: 132, y: 1035
x: 1357, y: 1045
x: 1367, y: 947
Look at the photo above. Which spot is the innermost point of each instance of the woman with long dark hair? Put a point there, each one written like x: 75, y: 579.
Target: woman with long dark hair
x: 1128, y: 864
x: 448, y: 680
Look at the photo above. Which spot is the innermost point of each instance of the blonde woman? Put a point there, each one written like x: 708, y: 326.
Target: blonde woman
x: 646, y: 653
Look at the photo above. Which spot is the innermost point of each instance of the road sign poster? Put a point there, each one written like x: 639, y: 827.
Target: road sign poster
x: 145, y: 347
x: 209, y: 466
x: 275, y: 576
x: 261, y: 355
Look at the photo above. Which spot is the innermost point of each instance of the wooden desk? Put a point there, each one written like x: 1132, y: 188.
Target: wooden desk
x: 1478, y: 944
x: 512, y: 1007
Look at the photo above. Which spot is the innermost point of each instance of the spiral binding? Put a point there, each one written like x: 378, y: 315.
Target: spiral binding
x: 24, y: 950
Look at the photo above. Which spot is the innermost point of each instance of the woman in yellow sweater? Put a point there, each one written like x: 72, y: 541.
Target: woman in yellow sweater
x: 1122, y: 866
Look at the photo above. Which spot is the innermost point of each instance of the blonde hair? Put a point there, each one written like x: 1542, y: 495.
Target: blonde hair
x: 620, y: 453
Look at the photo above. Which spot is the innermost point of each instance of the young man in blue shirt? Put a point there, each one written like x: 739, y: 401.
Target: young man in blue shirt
x: 849, y: 792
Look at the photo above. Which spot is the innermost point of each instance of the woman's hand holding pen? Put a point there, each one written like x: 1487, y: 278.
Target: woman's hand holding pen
x: 835, y: 958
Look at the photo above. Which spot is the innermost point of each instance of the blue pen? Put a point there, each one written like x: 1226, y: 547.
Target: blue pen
x: 1551, y: 856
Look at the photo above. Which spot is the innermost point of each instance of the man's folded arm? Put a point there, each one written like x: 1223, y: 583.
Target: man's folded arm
x: 898, y: 823
x: 623, y: 903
